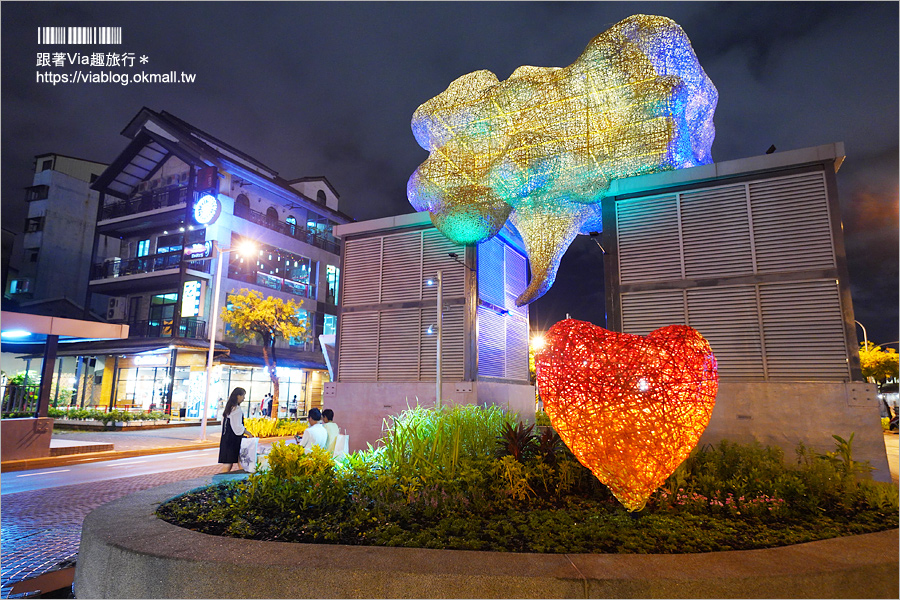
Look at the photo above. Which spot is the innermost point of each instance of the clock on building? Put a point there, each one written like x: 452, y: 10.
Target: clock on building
x: 207, y: 209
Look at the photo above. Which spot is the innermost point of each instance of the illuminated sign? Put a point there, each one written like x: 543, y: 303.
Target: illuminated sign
x: 190, y: 300
x: 198, y: 250
x: 207, y: 209
x: 151, y: 360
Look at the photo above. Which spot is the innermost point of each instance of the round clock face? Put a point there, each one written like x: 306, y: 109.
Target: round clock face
x: 206, y: 209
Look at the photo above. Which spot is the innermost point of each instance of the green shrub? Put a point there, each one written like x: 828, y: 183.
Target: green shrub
x: 410, y: 493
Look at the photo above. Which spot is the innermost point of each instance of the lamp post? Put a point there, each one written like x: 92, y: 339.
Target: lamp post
x: 220, y: 259
x: 865, y: 335
x: 440, y: 318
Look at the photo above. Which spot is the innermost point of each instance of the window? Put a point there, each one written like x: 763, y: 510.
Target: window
x: 162, y: 314
x: 292, y: 224
x: 169, y: 243
x: 304, y: 317
x: 36, y: 192
x: 332, y: 277
x: 243, y: 200
x: 47, y: 164
x: 320, y: 197
x: 276, y: 269
x: 272, y: 214
x: 330, y: 325
x: 32, y: 254
x: 34, y: 224
x: 143, y: 248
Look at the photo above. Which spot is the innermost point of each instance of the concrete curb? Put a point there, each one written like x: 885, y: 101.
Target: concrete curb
x: 126, y: 552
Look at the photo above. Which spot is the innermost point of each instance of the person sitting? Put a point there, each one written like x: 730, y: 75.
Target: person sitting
x: 315, y: 434
x: 332, y: 429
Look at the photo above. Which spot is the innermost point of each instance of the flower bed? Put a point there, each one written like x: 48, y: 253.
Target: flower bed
x: 442, y: 480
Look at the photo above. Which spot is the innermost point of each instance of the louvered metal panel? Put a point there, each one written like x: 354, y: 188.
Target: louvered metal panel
x: 358, y: 346
x: 402, y: 278
x: 728, y: 317
x: 435, y: 249
x: 716, y: 232
x: 362, y: 272
x: 491, y: 343
x: 803, y: 331
x: 516, y: 282
x: 642, y: 312
x: 490, y: 272
x: 791, y: 224
x: 398, y: 345
x: 453, y: 344
x: 516, y: 348
x: 648, y: 241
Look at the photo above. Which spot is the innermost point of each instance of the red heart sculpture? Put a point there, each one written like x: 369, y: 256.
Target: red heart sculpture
x: 630, y: 408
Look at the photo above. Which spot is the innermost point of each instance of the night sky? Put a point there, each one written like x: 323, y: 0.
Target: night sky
x: 329, y: 89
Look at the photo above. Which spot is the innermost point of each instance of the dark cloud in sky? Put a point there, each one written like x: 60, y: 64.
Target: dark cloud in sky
x: 330, y: 88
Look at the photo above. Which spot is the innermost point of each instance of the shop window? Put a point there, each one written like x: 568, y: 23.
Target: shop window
x: 332, y: 277
x: 329, y: 325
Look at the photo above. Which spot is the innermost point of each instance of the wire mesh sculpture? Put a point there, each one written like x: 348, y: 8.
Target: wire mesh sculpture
x: 630, y: 408
x: 542, y: 147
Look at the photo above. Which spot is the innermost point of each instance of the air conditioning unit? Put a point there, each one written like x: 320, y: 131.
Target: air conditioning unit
x: 116, y: 309
x: 154, y: 184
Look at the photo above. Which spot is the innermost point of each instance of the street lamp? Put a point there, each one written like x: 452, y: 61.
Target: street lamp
x: 245, y: 248
x: 865, y: 335
x: 440, y: 313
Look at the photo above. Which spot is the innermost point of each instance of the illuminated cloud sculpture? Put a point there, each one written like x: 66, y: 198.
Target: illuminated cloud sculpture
x: 630, y: 408
x: 542, y: 147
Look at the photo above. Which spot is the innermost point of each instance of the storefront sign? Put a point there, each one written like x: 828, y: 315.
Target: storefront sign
x: 198, y: 250
x: 151, y: 360
x: 190, y: 303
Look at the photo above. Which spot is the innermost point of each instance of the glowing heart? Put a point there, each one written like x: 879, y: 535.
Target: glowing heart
x: 630, y: 408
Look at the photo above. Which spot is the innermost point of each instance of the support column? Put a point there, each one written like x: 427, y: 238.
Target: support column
x: 47, y: 375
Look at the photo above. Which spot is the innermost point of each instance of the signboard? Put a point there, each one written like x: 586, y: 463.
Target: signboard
x: 207, y: 179
x: 198, y: 250
x: 190, y: 299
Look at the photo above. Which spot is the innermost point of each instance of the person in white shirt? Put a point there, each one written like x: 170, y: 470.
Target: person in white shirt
x: 315, y: 434
x: 332, y: 429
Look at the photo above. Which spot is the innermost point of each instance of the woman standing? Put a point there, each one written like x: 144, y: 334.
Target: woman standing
x: 232, y: 429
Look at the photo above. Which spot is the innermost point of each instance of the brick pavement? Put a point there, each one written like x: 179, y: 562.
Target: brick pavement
x: 41, y: 529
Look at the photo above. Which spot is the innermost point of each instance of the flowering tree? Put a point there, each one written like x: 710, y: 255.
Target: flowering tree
x: 255, y: 318
x: 878, y: 364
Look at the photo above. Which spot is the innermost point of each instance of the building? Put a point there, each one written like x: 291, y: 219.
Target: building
x: 53, y: 256
x: 750, y: 253
x: 161, y: 281
x: 386, y: 357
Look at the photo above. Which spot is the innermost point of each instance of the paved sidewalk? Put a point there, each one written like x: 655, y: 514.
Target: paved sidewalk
x: 40, y: 530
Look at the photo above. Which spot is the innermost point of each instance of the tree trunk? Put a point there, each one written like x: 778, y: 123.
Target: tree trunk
x: 269, y: 358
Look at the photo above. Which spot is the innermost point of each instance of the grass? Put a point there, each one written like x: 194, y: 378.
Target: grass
x: 442, y: 480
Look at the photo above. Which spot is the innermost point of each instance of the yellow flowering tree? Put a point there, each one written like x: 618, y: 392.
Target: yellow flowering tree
x: 253, y: 317
x: 878, y: 364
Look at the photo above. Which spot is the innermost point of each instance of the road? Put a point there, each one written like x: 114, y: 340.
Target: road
x: 37, y: 479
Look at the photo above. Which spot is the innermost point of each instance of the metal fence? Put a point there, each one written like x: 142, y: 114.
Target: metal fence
x: 19, y: 398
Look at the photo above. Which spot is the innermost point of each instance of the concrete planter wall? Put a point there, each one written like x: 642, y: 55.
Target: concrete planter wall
x: 25, y: 438
x: 126, y: 552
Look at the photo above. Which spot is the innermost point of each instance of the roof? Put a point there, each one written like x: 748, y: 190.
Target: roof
x: 158, y: 136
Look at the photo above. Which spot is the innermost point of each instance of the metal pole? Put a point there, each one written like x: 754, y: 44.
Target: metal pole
x: 220, y: 258
x: 865, y: 335
x: 440, y: 314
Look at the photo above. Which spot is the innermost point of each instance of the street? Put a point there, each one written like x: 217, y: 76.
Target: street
x: 43, y: 509
x: 24, y: 481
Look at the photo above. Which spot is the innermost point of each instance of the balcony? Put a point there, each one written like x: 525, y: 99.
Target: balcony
x: 273, y: 282
x: 143, y: 202
x: 289, y: 229
x: 145, y: 264
x: 191, y: 328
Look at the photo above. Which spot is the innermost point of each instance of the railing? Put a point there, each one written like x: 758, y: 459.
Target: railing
x: 191, y: 328
x: 289, y: 229
x: 145, y: 201
x: 19, y: 398
x: 297, y: 288
x: 144, y: 264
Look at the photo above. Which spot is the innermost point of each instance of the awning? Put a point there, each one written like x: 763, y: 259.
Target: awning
x: 257, y: 361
